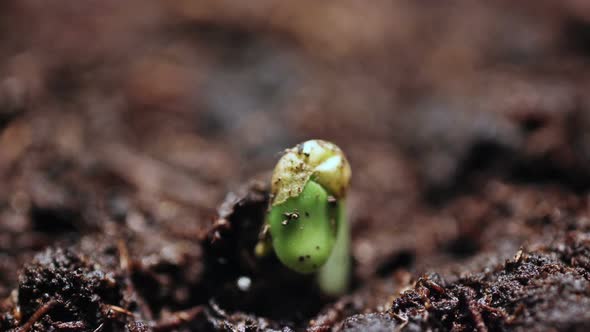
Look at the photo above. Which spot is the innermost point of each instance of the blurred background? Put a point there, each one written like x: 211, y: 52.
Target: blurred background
x: 150, y: 111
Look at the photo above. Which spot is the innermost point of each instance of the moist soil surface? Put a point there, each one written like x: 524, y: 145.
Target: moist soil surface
x: 137, y: 140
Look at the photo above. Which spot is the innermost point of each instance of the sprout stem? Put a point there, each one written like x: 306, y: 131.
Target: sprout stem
x: 334, y: 276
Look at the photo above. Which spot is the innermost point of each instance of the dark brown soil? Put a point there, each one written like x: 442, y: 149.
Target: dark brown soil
x: 137, y: 140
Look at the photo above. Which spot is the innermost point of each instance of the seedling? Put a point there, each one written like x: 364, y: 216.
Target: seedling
x: 307, y: 224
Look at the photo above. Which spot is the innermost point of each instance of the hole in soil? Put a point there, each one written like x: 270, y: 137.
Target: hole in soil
x: 532, y: 124
x: 272, y: 290
x: 483, y: 158
x: 577, y: 38
x: 463, y: 246
x: 6, y: 118
x: 60, y: 313
x: 402, y: 259
x: 54, y: 220
x: 145, y: 284
x: 543, y: 171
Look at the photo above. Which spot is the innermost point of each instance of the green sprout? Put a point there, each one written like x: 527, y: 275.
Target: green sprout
x: 307, y: 219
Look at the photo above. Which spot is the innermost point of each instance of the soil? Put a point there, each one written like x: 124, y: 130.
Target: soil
x: 137, y: 140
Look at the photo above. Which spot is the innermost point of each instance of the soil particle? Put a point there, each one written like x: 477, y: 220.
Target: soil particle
x: 513, y: 297
x: 61, y: 286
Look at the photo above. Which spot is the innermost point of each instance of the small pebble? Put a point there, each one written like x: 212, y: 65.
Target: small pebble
x: 244, y: 283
